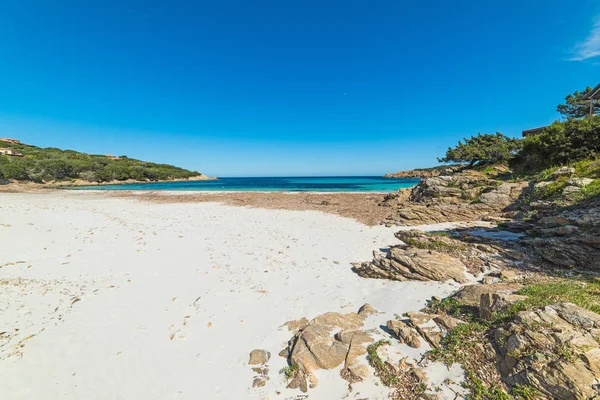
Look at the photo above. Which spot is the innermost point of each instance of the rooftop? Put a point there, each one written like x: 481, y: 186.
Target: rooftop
x: 594, y: 94
x: 533, y: 131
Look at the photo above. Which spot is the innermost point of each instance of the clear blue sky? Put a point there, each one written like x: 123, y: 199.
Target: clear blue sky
x: 273, y: 88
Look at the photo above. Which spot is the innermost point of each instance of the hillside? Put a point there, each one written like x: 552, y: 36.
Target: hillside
x: 27, y: 163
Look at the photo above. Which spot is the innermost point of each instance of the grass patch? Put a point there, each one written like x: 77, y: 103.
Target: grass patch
x: 593, y: 189
x: 588, y: 168
x: 387, y: 376
x: 525, y: 392
x: 452, y: 307
x: 553, y: 190
x: 463, y: 344
x: 584, y: 292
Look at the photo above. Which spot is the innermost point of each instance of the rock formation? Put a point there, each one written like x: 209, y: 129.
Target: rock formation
x: 327, y: 341
x: 403, y: 263
x: 464, y: 196
x: 559, y: 358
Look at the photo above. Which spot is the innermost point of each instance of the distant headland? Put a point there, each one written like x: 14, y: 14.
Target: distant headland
x: 24, y: 163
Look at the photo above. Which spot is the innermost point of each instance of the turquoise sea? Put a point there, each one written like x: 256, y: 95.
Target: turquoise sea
x: 290, y: 184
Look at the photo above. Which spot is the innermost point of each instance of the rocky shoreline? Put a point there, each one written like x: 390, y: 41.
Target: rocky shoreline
x: 415, y: 173
x: 513, y: 328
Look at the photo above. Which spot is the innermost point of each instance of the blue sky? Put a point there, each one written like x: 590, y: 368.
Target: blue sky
x: 275, y: 88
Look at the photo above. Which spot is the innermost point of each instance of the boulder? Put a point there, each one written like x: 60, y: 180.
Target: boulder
x: 567, y: 251
x: 497, y: 303
x: 577, y: 316
x: 447, y: 322
x: 326, y: 342
x: 259, y: 357
x: 558, y: 358
x: 470, y: 295
x: 296, y: 325
x: 563, y: 171
x: 503, y: 195
x: 367, y: 310
x: 408, y: 263
x: 579, y: 182
x: 404, y: 333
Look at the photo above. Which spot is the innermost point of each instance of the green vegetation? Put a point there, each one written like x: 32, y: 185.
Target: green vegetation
x: 576, y: 140
x: 575, y: 106
x: 51, y: 164
x: 483, y: 149
x: 453, y: 307
x: 387, y: 375
x: 290, y: 371
x: 561, y: 143
x: 584, y: 292
x: 463, y: 343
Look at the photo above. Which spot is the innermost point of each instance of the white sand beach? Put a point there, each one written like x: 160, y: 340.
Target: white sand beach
x: 109, y: 298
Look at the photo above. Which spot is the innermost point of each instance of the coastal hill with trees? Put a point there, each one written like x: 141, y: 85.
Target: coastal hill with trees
x: 26, y: 163
x: 518, y: 331
x: 574, y: 139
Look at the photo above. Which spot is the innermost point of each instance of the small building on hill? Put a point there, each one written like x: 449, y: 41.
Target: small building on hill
x: 534, y: 131
x: 9, y: 140
x: 112, y: 157
x: 590, y: 97
x: 10, y: 152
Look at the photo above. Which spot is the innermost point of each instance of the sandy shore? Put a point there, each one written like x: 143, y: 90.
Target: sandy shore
x: 107, y: 297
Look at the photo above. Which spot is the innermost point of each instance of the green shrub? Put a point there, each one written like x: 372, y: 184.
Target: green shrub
x: 561, y: 143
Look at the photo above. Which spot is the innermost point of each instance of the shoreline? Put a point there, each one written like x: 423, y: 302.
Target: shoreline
x: 82, y: 183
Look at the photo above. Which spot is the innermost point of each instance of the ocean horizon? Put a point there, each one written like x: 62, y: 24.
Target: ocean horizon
x: 272, y: 184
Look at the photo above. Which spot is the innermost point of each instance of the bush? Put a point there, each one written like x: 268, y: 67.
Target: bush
x: 561, y: 143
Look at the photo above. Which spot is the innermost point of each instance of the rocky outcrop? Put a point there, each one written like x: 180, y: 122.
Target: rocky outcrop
x: 465, y: 196
x: 418, y: 173
x: 440, y: 257
x: 494, y: 303
x: 471, y: 295
x: 403, y: 263
x: 409, y: 214
x: 577, y: 251
x: 559, y: 358
x: 327, y: 341
x: 404, y: 333
x: 566, y: 238
x: 479, y: 253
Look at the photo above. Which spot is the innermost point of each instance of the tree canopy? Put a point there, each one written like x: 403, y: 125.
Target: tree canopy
x: 561, y: 143
x: 483, y: 149
x: 575, y: 106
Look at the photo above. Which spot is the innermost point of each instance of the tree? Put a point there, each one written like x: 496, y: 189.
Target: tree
x: 483, y: 149
x: 561, y: 143
x: 575, y: 106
